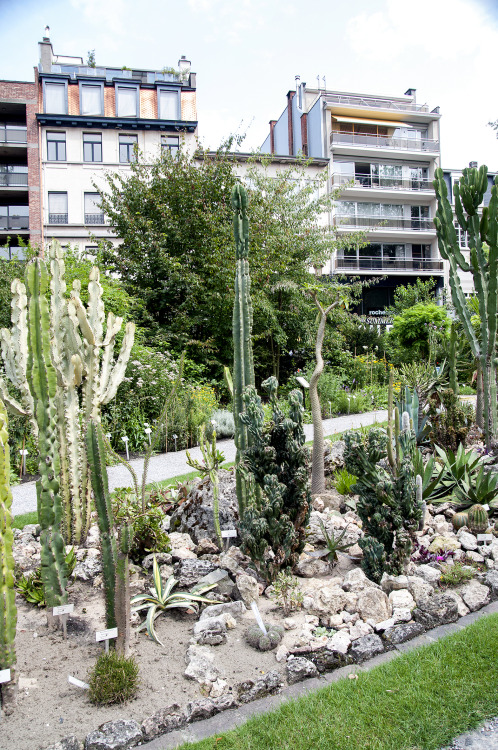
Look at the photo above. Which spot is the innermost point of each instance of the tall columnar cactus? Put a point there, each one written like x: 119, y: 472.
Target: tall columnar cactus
x: 243, y: 364
x: 452, y: 359
x: 87, y: 376
x: 115, y: 542
x: 272, y: 529
x: 482, y: 235
x: 8, y: 612
x: 42, y: 381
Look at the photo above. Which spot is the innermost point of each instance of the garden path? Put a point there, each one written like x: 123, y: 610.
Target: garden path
x: 172, y: 464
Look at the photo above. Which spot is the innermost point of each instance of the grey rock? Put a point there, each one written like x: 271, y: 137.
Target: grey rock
x: 114, y: 735
x: 475, y: 595
x: 190, y: 572
x: 356, y: 580
x: 206, y: 547
x: 327, y: 659
x: 220, y: 577
x: 67, y: 743
x: 435, y: 610
x: 334, y: 455
x: 298, y: 669
x: 210, y: 631
x: 419, y: 588
x: 331, y: 500
x: 166, y: 720
x: 428, y: 573
x: 34, y: 529
x: 87, y: 569
x: 162, y: 558
x: 402, y: 633
x: 312, y: 567
x: 195, y: 515
x: 248, y: 589
x: 366, y: 647
x: 373, y: 604
x: 491, y: 580
x: 251, y: 690
x: 200, y: 664
x: 207, y: 707
x: 236, y: 609
x: 393, y: 583
x: 467, y: 540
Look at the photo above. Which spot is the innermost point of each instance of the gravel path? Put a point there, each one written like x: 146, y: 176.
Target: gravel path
x: 485, y: 738
x: 167, y: 465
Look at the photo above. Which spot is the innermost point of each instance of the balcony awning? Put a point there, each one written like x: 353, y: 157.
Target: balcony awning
x: 388, y: 123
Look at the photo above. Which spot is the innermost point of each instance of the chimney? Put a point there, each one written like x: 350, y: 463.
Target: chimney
x: 45, y: 52
x: 298, y: 81
x: 183, y: 64
x: 272, y: 136
x: 473, y: 164
x: 411, y: 92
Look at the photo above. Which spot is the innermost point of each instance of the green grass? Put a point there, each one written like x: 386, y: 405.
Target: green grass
x: 339, y: 435
x: 418, y: 701
x: 19, y: 522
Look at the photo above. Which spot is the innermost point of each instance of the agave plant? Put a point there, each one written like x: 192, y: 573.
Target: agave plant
x: 431, y: 475
x: 479, y: 489
x: 334, y: 544
x: 162, y: 597
x: 464, y: 478
x: 420, y: 421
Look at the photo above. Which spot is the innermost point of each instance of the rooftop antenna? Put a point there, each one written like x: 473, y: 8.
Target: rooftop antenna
x: 318, y: 81
x: 324, y: 82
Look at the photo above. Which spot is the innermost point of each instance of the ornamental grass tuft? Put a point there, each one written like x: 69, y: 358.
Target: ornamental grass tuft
x: 113, y: 679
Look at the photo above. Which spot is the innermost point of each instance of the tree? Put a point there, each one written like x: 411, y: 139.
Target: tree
x: 412, y: 294
x: 411, y: 328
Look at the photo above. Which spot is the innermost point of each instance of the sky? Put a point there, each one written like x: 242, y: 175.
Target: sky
x: 246, y: 54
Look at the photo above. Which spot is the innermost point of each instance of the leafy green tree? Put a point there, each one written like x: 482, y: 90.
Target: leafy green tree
x: 412, y: 328
x: 412, y: 294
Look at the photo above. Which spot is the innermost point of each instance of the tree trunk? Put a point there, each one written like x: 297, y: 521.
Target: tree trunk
x: 318, y: 464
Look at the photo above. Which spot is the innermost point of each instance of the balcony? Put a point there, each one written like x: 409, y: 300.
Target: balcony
x: 57, y: 219
x: 13, y: 133
x: 385, y: 222
x: 94, y: 218
x: 12, y: 253
x: 365, y: 102
x: 14, y: 217
x: 386, y: 265
x: 13, y: 176
x: 381, y: 183
x: 383, y: 141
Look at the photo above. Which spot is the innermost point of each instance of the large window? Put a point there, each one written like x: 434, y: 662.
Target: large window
x: 91, y: 99
x: 127, y: 101
x: 56, y: 146
x: 57, y: 208
x: 93, y: 212
x: 170, y: 143
x: 127, y: 145
x: 169, y: 104
x: 55, y: 98
x: 14, y: 217
x: 92, y: 146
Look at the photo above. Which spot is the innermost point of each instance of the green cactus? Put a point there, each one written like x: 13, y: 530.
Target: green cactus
x: 459, y: 520
x: 243, y: 364
x: 122, y: 595
x: 8, y: 611
x: 482, y: 232
x: 374, y: 558
x: 213, y: 459
x: 87, y: 377
x: 452, y: 358
x: 478, y: 519
x: 42, y: 381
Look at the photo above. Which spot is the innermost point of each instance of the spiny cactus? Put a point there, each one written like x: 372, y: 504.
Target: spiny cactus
x: 459, y: 520
x: 478, y: 519
x: 243, y: 364
x: 8, y: 611
x: 87, y: 376
x: 272, y: 529
x: 42, y: 381
x: 264, y: 642
x: 482, y: 232
x: 213, y: 458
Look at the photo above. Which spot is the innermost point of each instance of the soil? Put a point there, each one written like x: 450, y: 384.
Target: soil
x: 49, y: 708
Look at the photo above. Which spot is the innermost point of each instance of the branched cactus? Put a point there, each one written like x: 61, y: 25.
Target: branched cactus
x: 243, y: 364
x: 213, y: 458
x: 272, y: 529
x: 87, y: 376
x: 42, y: 381
x: 389, y: 507
x: 8, y: 611
x: 482, y: 232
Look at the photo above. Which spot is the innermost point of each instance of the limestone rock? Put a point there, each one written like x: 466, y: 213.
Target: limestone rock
x: 89, y: 568
x: 207, y: 707
x: 180, y: 540
x: 356, y: 580
x: 330, y: 500
x: 166, y: 720
x: 200, y: 664
x: 393, y: 583
x: 435, y: 610
x: 366, y: 647
x: 339, y: 642
x: 248, y: 589
x: 114, y: 735
x: 492, y: 581
x: 462, y: 607
x: 189, y: 572
x: 359, y: 629
x: 402, y: 633
x: 467, y: 540
x: 373, y: 604
x: 334, y: 455
x: 162, y: 558
x: 299, y: 668
x: 444, y: 544
x: 428, y: 573
x: 67, y: 743
x: 236, y: 609
x: 251, y: 690
x: 195, y: 515
x: 312, y: 567
x: 206, y: 547
x: 475, y: 595
x: 211, y: 631
x: 401, y: 599
x: 419, y: 588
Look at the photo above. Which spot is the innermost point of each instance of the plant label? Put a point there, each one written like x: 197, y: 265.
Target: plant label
x: 79, y: 683
x: 302, y: 382
x: 5, y: 675
x: 64, y: 609
x: 484, y: 538
x: 24, y: 452
x: 485, y: 506
x: 105, y: 635
x: 147, y: 430
x: 229, y: 533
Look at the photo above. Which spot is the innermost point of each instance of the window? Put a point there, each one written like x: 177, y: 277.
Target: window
x: 57, y: 208
x: 127, y: 101
x: 170, y: 143
x: 462, y: 236
x: 168, y: 104
x: 56, y: 146
x: 92, y: 146
x: 420, y: 217
x: 93, y: 212
x: 91, y: 99
x: 127, y: 145
x: 55, y: 98
x: 14, y: 217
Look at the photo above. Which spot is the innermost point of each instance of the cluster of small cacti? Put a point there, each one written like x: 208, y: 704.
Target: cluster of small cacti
x: 482, y: 230
x: 264, y: 642
x: 8, y: 611
x: 272, y: 528
x: 86, y: 375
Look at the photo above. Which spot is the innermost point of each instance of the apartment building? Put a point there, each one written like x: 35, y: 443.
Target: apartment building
x: 382, y: 153
x: 91, y: 121
x: 20, y: 214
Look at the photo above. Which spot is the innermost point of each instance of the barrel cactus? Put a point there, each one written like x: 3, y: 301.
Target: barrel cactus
x: 460, y: 519
x: 264, y: 642
x: 478, y: 519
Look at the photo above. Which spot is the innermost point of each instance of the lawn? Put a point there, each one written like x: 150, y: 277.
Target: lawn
x: 418, y: 701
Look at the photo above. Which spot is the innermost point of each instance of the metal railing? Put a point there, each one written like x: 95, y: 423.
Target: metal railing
x: 383, y: 141
x: 384, y: 222
x: 94, y: 219
x: 382, y: 183
x: 13, y: 179
x: 13, y: 221
x: 13, y: 133
x: 366, y: 263
x: 367, y: 101
x: 57, y: 218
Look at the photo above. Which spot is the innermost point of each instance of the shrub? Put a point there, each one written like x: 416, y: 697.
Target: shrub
x: 454, y: 575
x: 450, y: 419
x: 343, y: 481
x: 224, y: 424
x: 113, y: 679
x: 286, y: 592
x: 148, y: 536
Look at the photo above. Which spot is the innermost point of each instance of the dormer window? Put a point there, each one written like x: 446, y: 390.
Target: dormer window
x: 91, y: 99
x: 55, y: 97
x: 127, y: 101
x: 168, y: 104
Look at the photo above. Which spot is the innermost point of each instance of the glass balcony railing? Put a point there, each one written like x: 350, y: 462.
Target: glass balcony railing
x: 383, y: 141
x: 371, y: 263
x: 382, y: 183
x: 12, y: 176
x: 385, y: 222
x: 13, y: 133
x: 370, y: 101
x: 14, y: 217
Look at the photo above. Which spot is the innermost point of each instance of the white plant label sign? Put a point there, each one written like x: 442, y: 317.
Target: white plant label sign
x: 229, y: 533
x: 79, y: 683
x: 105, y: 635
x: 63, y: 609
x: 5, y: 675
